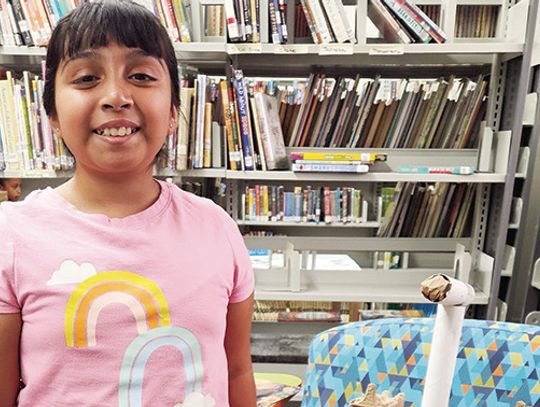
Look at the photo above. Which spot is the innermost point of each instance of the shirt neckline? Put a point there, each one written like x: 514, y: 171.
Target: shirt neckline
x: 144, y: 217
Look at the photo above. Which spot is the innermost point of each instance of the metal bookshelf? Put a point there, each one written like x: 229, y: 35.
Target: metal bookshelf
x: 506, y: 58
x: 358, y: 243
x: 328, y: 288
x: 351, y: 225
x: 523, y: 295
x: 514, y: 82
x: 368, y: 177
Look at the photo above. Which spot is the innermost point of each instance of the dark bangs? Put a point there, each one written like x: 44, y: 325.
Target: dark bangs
x: 97, y: 24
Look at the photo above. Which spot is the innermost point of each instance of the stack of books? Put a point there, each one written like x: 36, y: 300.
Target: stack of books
x: 318, y: 204
x: 231, y: 115
x: 475, y: 21
x: 334, y: 162
x: 31, y: 23
x: 243, y: 19
x: 401, y: 21
x: 424, y: 210
x: 383, y: 112
x: 328, y: 21
x: 27, y: 142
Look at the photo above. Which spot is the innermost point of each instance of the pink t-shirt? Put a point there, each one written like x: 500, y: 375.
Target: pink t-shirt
x: 122, y: 312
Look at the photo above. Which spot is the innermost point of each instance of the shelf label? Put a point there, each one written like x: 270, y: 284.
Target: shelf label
x: 30, y: 174
x: 244, y: 48
x: 336, y: 49
x: 291, y: 49
x: 387, y: 49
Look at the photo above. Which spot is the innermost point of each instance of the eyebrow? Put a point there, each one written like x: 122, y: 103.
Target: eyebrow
x: 91, y: 53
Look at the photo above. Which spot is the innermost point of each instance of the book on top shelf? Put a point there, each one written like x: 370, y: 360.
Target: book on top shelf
x: 389, y: 113
x: 389, y: 27
x: 401, y: 21
x: 271, y: 133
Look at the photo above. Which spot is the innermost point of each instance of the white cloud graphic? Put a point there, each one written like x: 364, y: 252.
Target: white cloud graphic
x: 72, y: 273
x: 197, y: 400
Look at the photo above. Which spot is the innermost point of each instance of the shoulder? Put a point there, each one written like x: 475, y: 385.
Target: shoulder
x: 33, y: 201
x: 199, y: 208
x: 18, y: 216
x: 6, y: 232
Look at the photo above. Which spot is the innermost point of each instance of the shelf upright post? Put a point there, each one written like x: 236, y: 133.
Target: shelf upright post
x: 448, y: 17
x: 197, y: 22
x: 521, y: 297
x: 480, y: 230
x: 361, y: 20
x: 516, y: 128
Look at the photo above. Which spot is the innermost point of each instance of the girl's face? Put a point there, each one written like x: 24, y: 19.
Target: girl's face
x: 113, y: 108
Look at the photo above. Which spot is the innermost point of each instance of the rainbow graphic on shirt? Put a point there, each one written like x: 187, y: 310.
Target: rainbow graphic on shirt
x: 142, y: 296
x: 140, y: 350
x: 148, y: 304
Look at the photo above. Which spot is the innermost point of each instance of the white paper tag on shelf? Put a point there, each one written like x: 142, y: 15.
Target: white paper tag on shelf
x: 387, y: 49
x: 35, y: 174
x: 291, y: 49
x: 244, y: 48
x: 211, y: 2
x: 336, y: 49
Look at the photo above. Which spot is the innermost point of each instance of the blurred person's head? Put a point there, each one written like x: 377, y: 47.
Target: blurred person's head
x: 13, y: 188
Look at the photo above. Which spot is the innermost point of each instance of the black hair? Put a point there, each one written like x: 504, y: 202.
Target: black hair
x: 96, y: 24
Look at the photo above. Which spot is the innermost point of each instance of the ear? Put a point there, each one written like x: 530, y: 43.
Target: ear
x: 55, y: 124
x: 174, y: 117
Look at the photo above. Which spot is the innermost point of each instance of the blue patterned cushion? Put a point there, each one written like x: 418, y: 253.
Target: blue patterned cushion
x: 497, y: 365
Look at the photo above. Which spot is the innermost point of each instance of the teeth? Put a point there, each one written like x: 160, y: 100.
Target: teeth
x: 122, y: 131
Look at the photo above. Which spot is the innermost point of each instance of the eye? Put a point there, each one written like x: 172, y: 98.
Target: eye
x: 85, y: 80
x: 142, y: 77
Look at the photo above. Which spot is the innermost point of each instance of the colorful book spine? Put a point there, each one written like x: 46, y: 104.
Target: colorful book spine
x: 406, y: 16
x: 234, y: 155
x: 243, y: 114
x: 360, y: 157
x: 275, y: 26
x: 232, y: 22
x: 422, y: 169
x: 347, y: 168
x: 434, y: 30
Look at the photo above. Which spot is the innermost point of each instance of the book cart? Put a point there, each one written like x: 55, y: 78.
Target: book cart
x: 481, y: 260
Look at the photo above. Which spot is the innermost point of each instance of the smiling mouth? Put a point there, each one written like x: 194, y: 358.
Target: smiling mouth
x: 117, y: 132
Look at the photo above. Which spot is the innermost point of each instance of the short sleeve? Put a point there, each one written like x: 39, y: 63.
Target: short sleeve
x: 8, y: 299
x: 244, y: 279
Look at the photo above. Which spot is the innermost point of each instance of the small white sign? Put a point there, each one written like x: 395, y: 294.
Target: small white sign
x: 336, y: 49
x: 244, y: 48
x: 387, y: 49
x: 290, y: 49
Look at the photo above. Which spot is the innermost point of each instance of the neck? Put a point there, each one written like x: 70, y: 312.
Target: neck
x: 114, y: 196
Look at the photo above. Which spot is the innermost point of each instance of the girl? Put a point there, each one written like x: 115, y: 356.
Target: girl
x: 121, y: 290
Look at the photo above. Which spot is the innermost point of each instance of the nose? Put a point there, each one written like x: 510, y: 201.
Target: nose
x: 116, y: 96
